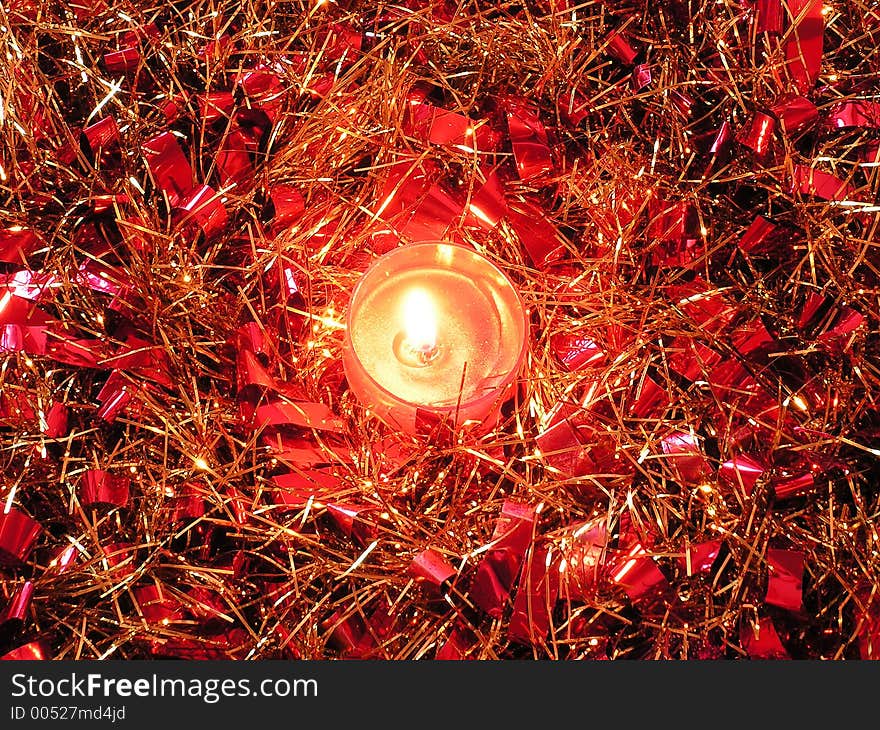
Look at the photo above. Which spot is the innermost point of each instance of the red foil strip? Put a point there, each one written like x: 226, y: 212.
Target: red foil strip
x: 233, y: 159
x: 453, y: 130
x: 742, y: 472
x: 431, y: 568
x: 377, y: 628
x: 706, y: 306
x: 615, y: 216
x: 619, y: 47
x: 391, y: 454
x: 15, y: 338
x: 239, y: 506
x: 141, y: 34
x: 820, y: 184
x: 573, y: 106
x: 294, y: 491
x: 300, y: 413
x: 641, y: 76
x: 691, y: 359
x: 721, y: 140
x: 340, y: 42
x: 576, y: 352
x: 172, y: 107
x: 216, y: 106
x: 757, y: 135
x: 803, y: 43
x: 250, y: 372
x: 686, y: 458
x: 561, y: 446
x: 814, y: 303
x: 785, y: 579
x: 54, y: 425
x: 405, y: 186
x: 796, y: 485
x: 206, y: 605
x: 418, y: 111
x: 101, y: 134
x: 650, y: 399
x: 264, y: 90
x: 35, y: 650
x: 839, y: 337
x: 498, y: 569
x: 581, y: 446
x: 768, y: 16
x: 104, y: 203
x: 17, y: 608
x: 24, y: 284
x: 319, y: 85
x: 855, y: 114
x: 636, y: 572
x: 681, y: 102
x: 757, y: 235
x: 582, y: 566
x: 156, y: 607
x: 432, y: 217
x: 344, y: 633
x: 73, y: 350
x: 204, y: 207
x: 189, y: 504
x: 228, y: 645
x: 99, y: 487
x: 304, y: 451
x: 868, y: 624
x: 536, y: 595
x: 487, y: 206
x: 288, y: 205
x: 15, y: 406
x: 16, y: 243
x: 18, y: 534
x: 63, y: 559
x: 143, y: 359
x: 752, y: 339
x: 120, y: 557
x: 457, y: 646
x: 528, y: 138
x: 672, y: 221
x: 795, y: 113
x: 250, y: 338
x: 168, y: 167
x: 124, y: 61
x: 730, y: 380
x: 539, y: 236
x: 350, y: 518
x: 115, y: 396
x: 761, y: 641
x: 699, y: 558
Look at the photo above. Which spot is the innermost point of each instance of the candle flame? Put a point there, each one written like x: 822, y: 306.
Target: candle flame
x: 420, y: 320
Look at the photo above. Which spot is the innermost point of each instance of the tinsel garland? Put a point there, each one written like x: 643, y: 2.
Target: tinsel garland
x: 685, y: 195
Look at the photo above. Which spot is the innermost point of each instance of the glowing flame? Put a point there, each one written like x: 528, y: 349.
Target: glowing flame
x: 420, y: 320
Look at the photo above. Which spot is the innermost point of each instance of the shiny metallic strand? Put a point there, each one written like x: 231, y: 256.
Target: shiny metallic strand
x: 291, y: 583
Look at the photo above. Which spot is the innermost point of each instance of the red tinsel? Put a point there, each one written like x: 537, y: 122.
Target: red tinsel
x: 685, y: 196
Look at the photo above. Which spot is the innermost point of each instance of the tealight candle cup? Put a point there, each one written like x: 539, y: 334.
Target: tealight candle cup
x: 435, y: 335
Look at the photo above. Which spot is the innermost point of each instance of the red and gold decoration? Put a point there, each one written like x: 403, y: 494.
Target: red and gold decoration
x: 684, y: 197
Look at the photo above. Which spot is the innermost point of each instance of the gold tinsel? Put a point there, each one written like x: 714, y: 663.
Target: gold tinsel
x: 248, y: 578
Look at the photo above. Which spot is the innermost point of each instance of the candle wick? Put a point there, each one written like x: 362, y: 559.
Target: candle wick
x: 415, y: 353
x: 427, y: 352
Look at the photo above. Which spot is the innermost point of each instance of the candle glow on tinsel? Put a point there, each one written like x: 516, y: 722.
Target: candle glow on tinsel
x: 683, y: 197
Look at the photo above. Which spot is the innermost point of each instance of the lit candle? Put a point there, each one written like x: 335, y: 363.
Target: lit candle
x: 435, y: 333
